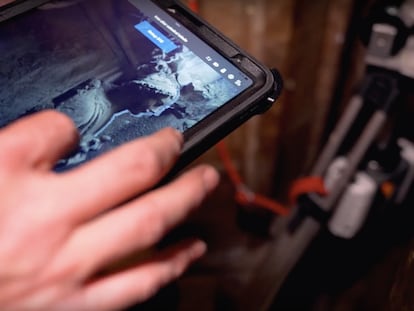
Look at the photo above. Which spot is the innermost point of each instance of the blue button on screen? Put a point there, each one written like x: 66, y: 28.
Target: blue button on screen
x: 156, y: 37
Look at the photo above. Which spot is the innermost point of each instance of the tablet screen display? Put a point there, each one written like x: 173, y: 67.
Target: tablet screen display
x: 119, y: 68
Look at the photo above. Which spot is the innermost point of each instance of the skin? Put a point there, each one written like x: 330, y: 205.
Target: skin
x: 59, y: 233
x: 4, y: 2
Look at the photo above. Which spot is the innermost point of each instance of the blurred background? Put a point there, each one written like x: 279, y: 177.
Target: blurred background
x: 316, y: 47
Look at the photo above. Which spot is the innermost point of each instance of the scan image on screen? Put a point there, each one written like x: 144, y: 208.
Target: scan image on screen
x: 120, y: 69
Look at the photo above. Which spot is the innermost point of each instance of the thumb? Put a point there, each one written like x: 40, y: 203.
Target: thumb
x: 38, y: 141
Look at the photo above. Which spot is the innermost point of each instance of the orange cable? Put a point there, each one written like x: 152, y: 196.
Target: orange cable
x: 306, y: 185
x: 244, y: 195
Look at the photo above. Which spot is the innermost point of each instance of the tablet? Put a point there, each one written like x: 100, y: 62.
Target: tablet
x: 123, y: 69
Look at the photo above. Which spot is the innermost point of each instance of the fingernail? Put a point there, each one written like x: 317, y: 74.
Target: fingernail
x: 211, y: 178
x: 179, y: 137
x: 178, y: 134
x: 199, y: 249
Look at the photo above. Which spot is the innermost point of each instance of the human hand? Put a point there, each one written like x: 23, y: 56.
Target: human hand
x: 58, y: 232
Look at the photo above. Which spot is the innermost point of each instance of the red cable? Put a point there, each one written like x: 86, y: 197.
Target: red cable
x: 228, y: 164
x: 194, y: 5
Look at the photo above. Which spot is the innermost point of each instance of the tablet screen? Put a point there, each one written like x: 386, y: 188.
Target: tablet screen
x: 119, y: 68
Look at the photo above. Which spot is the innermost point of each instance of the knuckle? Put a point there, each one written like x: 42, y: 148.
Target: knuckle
x: 67, y: 268
x: 158, y: 228
x: 155, y: 223
x: 197, y: 191
x: 151, y: 162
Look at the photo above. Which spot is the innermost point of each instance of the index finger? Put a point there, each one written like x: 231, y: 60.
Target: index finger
x: 120, y: 175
